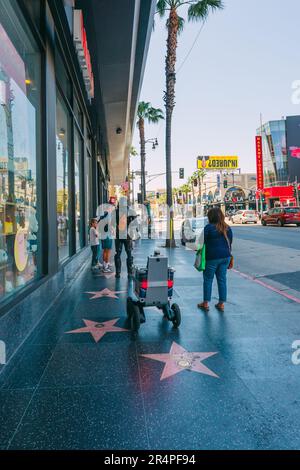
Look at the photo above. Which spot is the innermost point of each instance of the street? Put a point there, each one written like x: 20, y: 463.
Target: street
x: 272, y: 253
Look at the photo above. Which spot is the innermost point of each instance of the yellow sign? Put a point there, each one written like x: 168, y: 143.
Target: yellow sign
x: 21, y: 254
x: 218, y: 163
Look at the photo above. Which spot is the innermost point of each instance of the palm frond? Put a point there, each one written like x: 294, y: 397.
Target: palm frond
x: 154, y: 115
x: 201, y: 9
x: 161, y: 7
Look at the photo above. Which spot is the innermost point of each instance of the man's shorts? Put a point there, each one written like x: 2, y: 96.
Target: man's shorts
x: 107, y: 244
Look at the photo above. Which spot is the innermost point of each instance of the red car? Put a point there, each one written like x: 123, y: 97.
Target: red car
x: 282, y: 216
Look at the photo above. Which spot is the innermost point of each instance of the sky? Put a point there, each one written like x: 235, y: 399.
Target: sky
x: 243, y: 65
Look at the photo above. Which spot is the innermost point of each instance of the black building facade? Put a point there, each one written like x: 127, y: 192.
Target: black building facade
x: 70, y: 75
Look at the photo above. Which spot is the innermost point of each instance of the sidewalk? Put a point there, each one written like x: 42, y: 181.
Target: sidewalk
x: 97, y: 390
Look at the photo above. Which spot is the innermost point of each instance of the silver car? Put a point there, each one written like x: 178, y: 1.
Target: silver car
x: 192, y: 229
x: 245, y: 217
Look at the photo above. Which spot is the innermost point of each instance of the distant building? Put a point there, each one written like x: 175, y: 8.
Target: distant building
x: 281, y: 160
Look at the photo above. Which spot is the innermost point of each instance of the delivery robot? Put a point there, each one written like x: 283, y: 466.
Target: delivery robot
x: 153, y: 287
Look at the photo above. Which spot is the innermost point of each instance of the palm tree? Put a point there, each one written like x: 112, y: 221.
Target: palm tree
x: 153, y: 116
x: 186, y: 189
x: 199, y: 175
x: 198, y: 10
x: 191, y: 182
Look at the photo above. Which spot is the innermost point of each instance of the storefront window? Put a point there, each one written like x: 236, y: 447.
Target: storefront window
x: 19, y: 152
x: 77, y: 178
x: 63, y: 124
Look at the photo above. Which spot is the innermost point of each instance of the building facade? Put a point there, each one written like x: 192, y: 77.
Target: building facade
x: 281, y: 160
x: 70, y: 78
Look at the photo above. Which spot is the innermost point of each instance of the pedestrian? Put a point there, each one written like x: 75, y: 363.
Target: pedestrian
x: 95, y: 244
x: 124, y: 217
x: 218, y: 242
x: 106, y: 241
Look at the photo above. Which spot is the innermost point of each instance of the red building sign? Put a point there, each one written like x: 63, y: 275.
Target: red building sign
x: 259, y: 164
x: 83, y: 52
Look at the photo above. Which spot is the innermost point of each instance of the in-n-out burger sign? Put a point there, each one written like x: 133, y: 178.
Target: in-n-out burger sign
x: 83, y: 52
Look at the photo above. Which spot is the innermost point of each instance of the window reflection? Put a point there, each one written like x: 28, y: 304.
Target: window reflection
x: 77, y: 176
x: 19, y: 145
x: 62, y: 169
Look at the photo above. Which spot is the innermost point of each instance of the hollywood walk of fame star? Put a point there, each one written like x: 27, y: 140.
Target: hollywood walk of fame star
x: 105, y: 293
x: 98, y: 330
x: 179, y: 359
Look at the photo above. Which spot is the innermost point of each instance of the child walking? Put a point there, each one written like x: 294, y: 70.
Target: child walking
x: 95, y: 244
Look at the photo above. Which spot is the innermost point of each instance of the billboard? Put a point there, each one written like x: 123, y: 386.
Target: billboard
x: 293, y: 145
x: 259, y: 163
x: 217, y: 163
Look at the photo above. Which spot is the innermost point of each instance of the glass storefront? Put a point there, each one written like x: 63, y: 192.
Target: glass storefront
x: 63, y: 149
x: 77, y: 178
x: 274, y: 153
x: 20, y: 76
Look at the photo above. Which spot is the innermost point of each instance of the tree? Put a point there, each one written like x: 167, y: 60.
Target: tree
x: 186, y: 189
x: 153, y: 116
x: 191, y: 182
x: 198, y: 10
x: 199, y: 175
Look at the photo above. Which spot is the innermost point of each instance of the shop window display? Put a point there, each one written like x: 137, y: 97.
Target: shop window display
x: 63, y: 135
x: 19, y: 152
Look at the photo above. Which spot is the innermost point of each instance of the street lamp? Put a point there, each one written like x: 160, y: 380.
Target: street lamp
x: 154, y: 143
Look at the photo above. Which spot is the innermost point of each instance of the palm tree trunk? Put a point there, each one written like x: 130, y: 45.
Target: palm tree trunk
x: 143, y: 158
x: 170, y: 104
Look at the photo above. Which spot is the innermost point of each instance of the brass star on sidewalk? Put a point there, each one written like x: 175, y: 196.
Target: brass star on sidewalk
x: 98, y: 329
x: 179, y: 359
x: 105, y: 293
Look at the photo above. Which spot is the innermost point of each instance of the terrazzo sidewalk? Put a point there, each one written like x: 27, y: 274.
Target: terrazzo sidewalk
x: 81, y: 382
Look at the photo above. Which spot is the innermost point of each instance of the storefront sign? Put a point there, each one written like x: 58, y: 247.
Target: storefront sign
x: 20, y: 249
x: 83, y: 52
x: 217, y: 163
x: 259, y: 163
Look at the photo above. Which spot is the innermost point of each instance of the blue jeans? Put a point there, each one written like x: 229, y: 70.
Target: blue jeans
x: 219, y: 268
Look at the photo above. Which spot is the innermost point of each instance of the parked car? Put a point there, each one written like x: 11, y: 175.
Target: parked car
x: 282, y: 216
x: 192, y: 229
x: 245, y: 217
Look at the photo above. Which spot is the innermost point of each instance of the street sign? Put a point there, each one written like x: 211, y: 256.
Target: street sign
x: 139, y: 173
x: 217, y: 163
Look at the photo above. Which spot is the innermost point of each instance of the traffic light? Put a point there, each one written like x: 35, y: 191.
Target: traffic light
x: 181, y: 173
x: 195, y: 182
x: 225, y: 184
x: 157, y: 195
x: 139, y: 196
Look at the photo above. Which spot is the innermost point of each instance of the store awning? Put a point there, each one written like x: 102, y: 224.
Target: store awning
x: 120, y: 31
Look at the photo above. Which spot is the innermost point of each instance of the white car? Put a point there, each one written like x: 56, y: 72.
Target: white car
x: 192, y: 229
x: 245, y: 217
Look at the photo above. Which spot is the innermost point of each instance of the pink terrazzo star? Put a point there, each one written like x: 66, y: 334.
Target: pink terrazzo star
x: 105, y: 293
x: 179, y: 359
x: 98, y: 330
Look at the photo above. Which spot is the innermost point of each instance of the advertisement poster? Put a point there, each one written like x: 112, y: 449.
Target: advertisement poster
x: 217, y: 163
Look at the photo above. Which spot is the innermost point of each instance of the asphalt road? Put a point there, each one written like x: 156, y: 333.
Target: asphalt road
x: 269, y: 252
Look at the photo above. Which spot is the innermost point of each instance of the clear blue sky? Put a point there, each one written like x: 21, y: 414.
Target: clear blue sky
x: 243, y: 64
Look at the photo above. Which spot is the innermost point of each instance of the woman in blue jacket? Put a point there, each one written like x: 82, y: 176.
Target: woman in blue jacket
x: 218, y: 241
